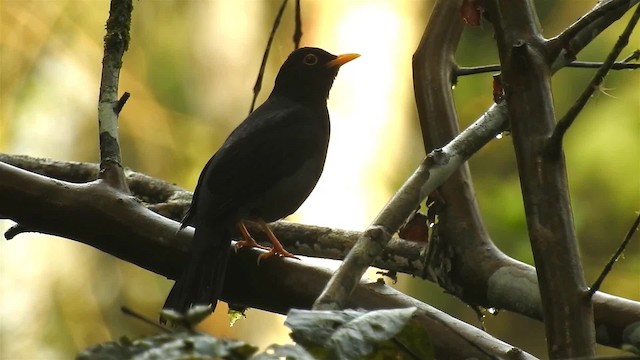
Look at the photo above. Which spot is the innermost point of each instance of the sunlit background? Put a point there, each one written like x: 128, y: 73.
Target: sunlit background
x: 191, y: 67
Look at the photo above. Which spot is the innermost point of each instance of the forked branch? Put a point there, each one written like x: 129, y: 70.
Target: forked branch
x: 554, y: 145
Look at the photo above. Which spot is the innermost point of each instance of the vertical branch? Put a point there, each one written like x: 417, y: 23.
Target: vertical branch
x: 297, y: 35
x: 458, y: 256
x: 568, y: 314
x: 433, y: 70
x: 116, y: 42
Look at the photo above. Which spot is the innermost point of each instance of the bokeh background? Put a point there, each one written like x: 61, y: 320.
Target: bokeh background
x: 190, y: 68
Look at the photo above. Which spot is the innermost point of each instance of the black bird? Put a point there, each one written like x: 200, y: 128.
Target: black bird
x: 263, y: 172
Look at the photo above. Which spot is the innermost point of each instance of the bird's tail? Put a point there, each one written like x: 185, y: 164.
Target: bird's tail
x: 202, y: 280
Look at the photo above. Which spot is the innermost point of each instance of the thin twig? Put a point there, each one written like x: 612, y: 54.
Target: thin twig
x: 258, y: 86
x: 635, y: 55
x: 555, y: 142
x: 596, y: 284
x: 135, y: 315
x: 619, y: 65
x: 297, y: 35
x: 472, y: 70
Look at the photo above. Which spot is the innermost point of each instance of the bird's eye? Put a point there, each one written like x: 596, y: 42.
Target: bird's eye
x: 310, y: 60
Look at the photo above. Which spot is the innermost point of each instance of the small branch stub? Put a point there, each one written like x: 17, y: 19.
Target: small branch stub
x: 120, y: 104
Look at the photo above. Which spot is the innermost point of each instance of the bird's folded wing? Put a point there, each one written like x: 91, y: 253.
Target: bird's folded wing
x: 271, y: 144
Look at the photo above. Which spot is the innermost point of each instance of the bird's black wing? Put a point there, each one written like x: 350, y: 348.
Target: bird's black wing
x: 272, y: 143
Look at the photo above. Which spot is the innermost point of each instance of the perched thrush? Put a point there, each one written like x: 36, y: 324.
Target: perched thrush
x: 263, y: 172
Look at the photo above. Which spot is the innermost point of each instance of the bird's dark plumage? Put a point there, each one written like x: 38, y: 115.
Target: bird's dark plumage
x: 264, y: 171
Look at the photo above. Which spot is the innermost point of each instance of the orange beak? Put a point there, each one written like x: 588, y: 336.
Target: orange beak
x: 341, y: 60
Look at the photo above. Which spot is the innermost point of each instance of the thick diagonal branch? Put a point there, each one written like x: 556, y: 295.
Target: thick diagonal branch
x: 120, y: 225
x: 488, y: 277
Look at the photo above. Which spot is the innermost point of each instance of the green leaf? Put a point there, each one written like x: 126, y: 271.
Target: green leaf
x: 180, y: 345
x: 311, y: 328
x: 360, y: 336
x: 352, y: 334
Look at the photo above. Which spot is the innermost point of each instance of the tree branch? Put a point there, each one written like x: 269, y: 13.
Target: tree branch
x: 297, y: 35
x: 502, y: 276
x: 619, y: 65
x: 563, y: 48
x: 292, y: 284
x: 568, y: 317
x: 118, y: 224
x: 482, y: 69
x: 635, y: 55
x: 596, y: 285
x: 434, y: 68
x: 424, y: 180
x: 121, y: 102
x: 456, y: 262
x: 468, y: 263
x: 158, y: 196
x: 433, y: 171
x: 486, y: 277
x: 258, y: 85
x: 116, y: 42
x: 554, y: 144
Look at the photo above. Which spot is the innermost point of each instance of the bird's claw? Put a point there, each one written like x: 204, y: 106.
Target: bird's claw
x: 249, y: 244
x: 277, y: 252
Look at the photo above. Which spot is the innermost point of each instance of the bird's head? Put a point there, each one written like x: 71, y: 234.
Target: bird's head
x: 308, y: 74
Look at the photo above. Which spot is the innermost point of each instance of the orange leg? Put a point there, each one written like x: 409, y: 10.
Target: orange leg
x: 277, y: 249
x: 247, y: 240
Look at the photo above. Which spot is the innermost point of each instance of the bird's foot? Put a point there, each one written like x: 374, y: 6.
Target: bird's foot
x: 249, y: 243
x: 278, y: 251
x: 247, y: 240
